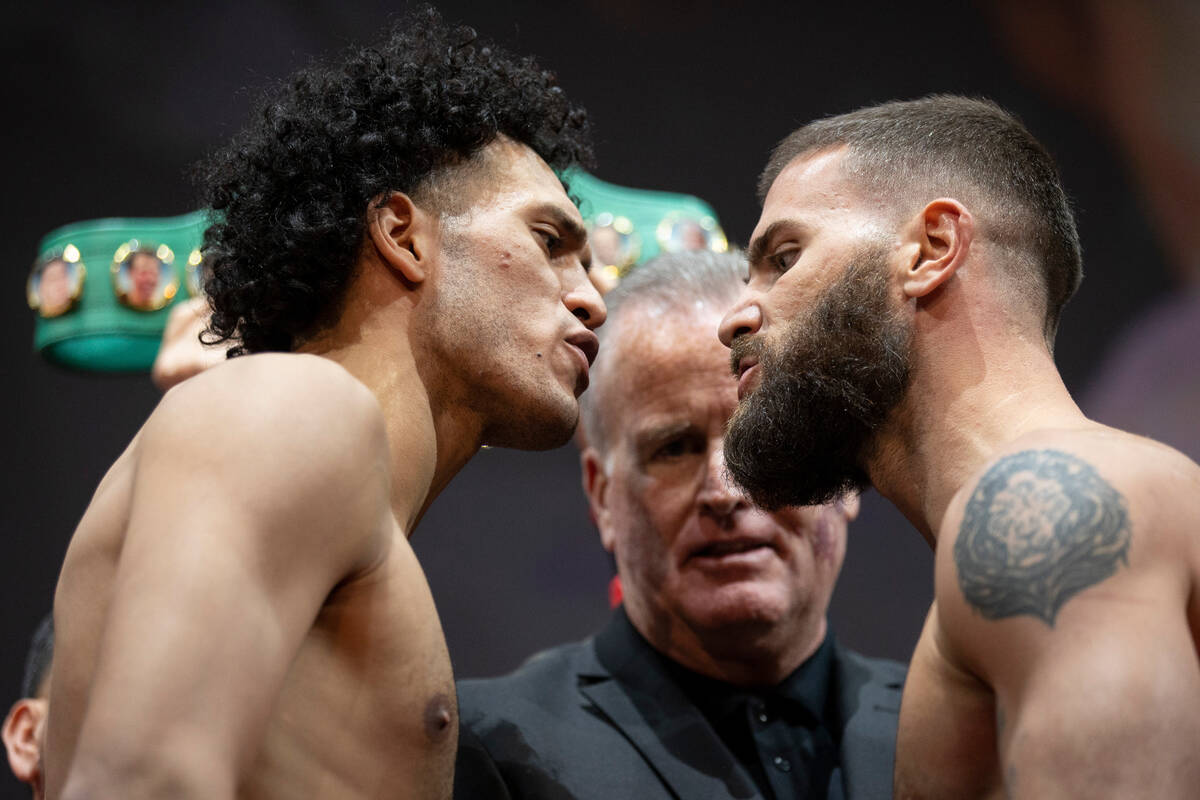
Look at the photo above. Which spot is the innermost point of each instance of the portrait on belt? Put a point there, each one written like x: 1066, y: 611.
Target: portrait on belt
x: 55, y: 285
x: 679, y: 233
x: 143, y: 278
x: 196, y: 273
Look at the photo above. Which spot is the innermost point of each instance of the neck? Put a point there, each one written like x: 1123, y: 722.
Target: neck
x: 430, y: 440
x: 969, y: 396
x: 750, y: 654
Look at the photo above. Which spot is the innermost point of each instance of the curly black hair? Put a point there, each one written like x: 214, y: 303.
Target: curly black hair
x: 289, y: 194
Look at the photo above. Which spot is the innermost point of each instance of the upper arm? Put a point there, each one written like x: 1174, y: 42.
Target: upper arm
x: 1056, y: 590
x: 254, y: 496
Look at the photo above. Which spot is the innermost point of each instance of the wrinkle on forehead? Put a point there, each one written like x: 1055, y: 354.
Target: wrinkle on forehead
x: 666, y: 331
x: 663, y: 310
x: 683, y: 350
x: 652, y: 334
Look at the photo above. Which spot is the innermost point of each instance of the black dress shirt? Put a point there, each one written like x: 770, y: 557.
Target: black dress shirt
x: 782, y: 734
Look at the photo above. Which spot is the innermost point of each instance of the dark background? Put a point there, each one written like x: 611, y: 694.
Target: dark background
x: 106, y: 107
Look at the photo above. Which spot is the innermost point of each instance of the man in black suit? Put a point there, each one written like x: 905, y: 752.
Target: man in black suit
x: 717, y: 676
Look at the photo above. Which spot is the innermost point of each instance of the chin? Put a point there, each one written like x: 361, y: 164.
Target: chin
x: 545, y: 427
x: 738, y: 606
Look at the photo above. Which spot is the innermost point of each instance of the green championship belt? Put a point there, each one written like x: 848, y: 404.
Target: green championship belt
x: 628, y: 226
x: 102, y: 289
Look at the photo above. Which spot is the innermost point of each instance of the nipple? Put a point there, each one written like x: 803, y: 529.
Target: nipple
x: 438, y: 717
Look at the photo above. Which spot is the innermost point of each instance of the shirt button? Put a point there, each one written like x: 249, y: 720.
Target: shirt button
x: 782, y: 764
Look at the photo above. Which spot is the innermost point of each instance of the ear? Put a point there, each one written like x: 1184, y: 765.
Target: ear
x: 403, y: 234
x: 595, y: 486
x: 22, y: 735
x: 942, y: 233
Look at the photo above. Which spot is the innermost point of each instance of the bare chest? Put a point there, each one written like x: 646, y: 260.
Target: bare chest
x: 369, y: 707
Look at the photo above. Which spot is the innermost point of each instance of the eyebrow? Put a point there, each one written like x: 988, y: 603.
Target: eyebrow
x: 758, y: 248
x: 659, y: 433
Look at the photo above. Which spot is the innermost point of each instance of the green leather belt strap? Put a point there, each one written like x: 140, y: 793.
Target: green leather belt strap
x: 641, y: 222
x: 101, y: 333
x: 106, y: 328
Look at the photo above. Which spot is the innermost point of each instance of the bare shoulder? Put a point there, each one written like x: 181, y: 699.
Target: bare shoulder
x: 1062, y: 513
x: 292, y: 385
x: 284, y: 438
x: 275, y: 400
x: 1065, y: 581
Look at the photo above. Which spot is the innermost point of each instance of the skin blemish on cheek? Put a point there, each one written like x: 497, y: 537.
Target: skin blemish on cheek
x: 438, y: 717
x: 539, y: 355
x: 823, y: 538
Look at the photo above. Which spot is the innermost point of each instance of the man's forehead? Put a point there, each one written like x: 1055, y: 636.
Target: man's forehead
x: 810, y: 183
x: 517, y: 159
x: 807, y: 177
x: 661, y: 348
x: 815, y: 164
x: 516, y: 170
x: 652, y: 329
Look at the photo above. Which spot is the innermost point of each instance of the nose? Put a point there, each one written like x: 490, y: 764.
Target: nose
x: 745, y: 318
x: 719, y: 497
x: 583, y: 300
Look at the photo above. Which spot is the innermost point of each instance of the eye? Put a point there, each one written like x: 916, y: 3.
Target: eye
x: 672, y: 449
x: 782, y: 260
x: 677, y: 447
x: 550, y: 239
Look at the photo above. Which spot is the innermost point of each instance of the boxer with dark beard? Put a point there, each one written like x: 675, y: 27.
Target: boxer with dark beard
x: 1060, y: 657
x: 824, y: 393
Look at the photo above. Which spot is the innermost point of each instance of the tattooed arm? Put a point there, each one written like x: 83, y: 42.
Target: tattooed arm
x: 1064, y: 578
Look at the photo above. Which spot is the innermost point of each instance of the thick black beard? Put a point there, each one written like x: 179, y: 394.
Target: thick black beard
x: 804, y: 435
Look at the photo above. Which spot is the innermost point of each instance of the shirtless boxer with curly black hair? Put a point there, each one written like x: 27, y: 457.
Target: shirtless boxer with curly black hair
x: 240, y: 613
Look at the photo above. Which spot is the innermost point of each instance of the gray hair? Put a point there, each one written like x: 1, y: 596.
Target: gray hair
x: 37, y: 660
x: 943, y: 145
x: 679, y: 282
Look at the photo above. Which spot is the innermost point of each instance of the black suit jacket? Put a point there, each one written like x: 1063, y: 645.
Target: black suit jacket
x: 602, y: 720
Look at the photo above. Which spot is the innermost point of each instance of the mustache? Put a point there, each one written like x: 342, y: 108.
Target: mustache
x: 744, y: 345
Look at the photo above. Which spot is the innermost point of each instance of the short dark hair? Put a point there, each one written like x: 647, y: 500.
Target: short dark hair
x: 37, y: 660
x: 669, y: 282
x: 970, y: 148
x: 289, y: 194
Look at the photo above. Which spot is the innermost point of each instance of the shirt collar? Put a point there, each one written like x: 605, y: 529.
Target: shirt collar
x: 808, y: 687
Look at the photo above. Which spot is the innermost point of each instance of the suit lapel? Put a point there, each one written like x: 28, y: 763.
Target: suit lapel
x: 869, y: 705
x: 628, y: 683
